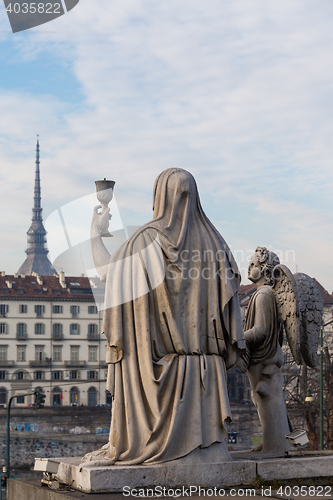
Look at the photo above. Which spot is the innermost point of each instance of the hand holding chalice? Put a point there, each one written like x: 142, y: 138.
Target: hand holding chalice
x: 104, y: 191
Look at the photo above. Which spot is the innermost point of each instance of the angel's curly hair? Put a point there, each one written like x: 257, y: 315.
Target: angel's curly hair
x: 267, y: 260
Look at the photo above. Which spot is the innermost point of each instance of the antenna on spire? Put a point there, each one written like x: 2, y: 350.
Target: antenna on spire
x: 37, y: 195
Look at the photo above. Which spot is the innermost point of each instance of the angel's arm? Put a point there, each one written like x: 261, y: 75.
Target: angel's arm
x: 257, y: 333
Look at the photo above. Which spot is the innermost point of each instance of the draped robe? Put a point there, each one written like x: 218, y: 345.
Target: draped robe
x: 172, y: 321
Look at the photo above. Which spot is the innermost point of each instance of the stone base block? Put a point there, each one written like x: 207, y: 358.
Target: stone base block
x: 114, y: 479
x: 296, y: 467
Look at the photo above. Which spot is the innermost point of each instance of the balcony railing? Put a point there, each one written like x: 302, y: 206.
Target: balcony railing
x: 57, y: 336
x: 93, y: 336
x: 103, y: 364
x: 75, y: 363
x: 21, y: 336
x: 40, y: 363
x: 6, y: 362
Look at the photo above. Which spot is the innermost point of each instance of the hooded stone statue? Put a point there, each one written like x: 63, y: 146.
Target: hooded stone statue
x: 173, y: 325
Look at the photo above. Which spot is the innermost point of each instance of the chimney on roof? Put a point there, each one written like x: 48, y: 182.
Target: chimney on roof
x: 22, y: 275
x: 3, y: 273
x: 9, y: 284
x: 39, y: 279
x: 62, y: 279
x: 15, y: 275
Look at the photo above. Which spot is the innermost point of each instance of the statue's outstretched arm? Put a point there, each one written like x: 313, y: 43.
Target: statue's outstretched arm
x: 101, y: 256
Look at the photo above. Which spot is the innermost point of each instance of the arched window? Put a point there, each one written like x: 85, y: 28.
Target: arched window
x: 74, y: 396
x: 3, y: 396
x: 92, y: 396
x: 57, y: 396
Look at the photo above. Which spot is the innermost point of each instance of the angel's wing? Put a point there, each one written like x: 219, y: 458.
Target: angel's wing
x: 286, y: 297
x: 311, y: 311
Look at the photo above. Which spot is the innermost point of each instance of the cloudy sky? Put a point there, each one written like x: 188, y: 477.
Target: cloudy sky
x: 238, y: 93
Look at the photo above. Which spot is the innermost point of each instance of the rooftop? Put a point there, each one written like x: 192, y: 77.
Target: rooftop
x: 35, y: 287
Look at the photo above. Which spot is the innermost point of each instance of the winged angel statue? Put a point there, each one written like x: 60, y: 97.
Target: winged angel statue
x: 283, y: 302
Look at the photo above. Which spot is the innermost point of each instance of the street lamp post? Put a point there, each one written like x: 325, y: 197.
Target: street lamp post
x: 321, y: 389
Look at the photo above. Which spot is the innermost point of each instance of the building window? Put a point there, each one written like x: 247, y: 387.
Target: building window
x: 39, y: 375
x: 75, y: 311
x: 74, y: 329
x: 20, y: 400
x: 92, y: 329
x: 21, y: 330
x: 74, y: 396
x: 39, y: 328
x: 21, y: 353
x: 57, y: 396
x: 108, y: 398
x: 92, y: 310
x: 92, y: 375
x: 3, y: 353
x: 39, y: 310
x: 57, y: 330
x: 92, y: 396
x: 57, y: 309
x: 3, y: 396
x: 23, y: 308
x: 3, y: 310
x: 75, y: 353
x: 21, y: 375
x: 3, y: 375
x: 92, y: 353
x: 57, y: 353
x: 3, y: 327
x: 39, y: 353
x: 74, y: 374
x: 57, y: 375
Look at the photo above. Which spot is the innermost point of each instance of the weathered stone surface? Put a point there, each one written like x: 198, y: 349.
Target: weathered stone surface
x: 31, y: 489
x: 167, y: 369
x: 292, y: 468
x: 276, y: 303
x: 115, y: 478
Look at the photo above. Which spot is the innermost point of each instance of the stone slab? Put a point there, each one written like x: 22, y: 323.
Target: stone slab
x: 30, y: 489
x: 296, y: 467
x: 114, y: 478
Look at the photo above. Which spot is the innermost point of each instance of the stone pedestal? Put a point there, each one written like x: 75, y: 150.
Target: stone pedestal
x: 118, y: 478
x: 187, y: 478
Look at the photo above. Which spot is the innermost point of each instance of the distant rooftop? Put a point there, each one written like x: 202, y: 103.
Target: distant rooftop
x: 57, y: 287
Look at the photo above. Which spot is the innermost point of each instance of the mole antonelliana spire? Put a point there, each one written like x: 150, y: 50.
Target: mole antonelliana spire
x: 37, y: 260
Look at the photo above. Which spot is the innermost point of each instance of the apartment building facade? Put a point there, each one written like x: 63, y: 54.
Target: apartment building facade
x: 50, y: 339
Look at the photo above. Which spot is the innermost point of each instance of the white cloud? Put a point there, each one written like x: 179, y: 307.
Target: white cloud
x: 238, y: 93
